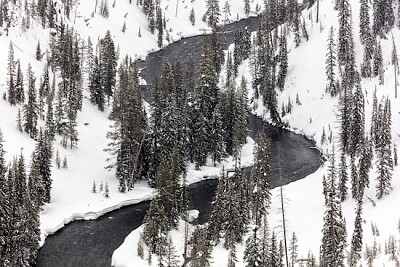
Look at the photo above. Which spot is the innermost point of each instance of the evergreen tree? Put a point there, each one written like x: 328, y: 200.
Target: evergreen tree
x: 247, y: 7
x: 384, y: 151
x: 344, y: 46
x: 356, y: 240
x: 95, y: 87
x: 377, y: 67
x: 11, y: 76
x: 201, y: 249
x: 365, y: 28
x: 383, y: 17
x: 343, y: 177
x: 334, y: 229
x: 232, y: 259
x: 38, y: 52
x: 283, y: 61
x: 108, y: 64
x: 212, y: 13
x: 251, y: 255
x: 42, y: 163
x: 129, y: 126
x: 192, y: 17
x: 5, y: 209
x: 357, y: 122
x: 261, y: 178
x: 331, y: 65
x: 19, y: 85
x: 30, y: 109
x: 293, y: 249
x: 345, y: 117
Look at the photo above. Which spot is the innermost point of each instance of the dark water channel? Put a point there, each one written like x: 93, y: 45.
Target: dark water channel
x: 91, y: 243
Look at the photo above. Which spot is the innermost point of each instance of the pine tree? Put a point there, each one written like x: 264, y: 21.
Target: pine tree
x: 5, y: 209
x: 159, y: 25
x: 212, y: 13
x: 343, y: 177
x: 262, y: 171
x: 251, y: 255
x: 129, y: 126
x: 384, y: 151
x: 192, y: 17
x: 107, y: 64
x: 247, y: 7
x: 94, y: 190
x: 19, y: 85
x: 19, y: 121
x: 377, y: 68
x: 30, y: 109
x: 331, y: 65
x: 106, y: 191
x: 58, y: 160
x: 201, y: 248
x: 293, y: 249
x: 65, y: 163
x: 365, y: 28
x: 334, y: 229
x: 11, y: 76
x: 357, y: 122
x: 38, y: 52
x: 356, y: 240
x: 283, y: 61
x: 383, y: 17
x: 171, y: 257
x: 344, y: 41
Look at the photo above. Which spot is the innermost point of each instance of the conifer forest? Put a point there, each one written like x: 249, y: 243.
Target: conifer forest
x: 290, y: 105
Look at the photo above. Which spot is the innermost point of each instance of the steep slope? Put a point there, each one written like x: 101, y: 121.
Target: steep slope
x: 304, y: 201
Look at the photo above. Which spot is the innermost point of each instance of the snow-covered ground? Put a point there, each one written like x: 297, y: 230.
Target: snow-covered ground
x: 72, y: 196
x: 304, y: 199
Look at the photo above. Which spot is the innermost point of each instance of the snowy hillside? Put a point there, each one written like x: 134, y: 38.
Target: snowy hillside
x: 318, y: 110
x: 71, y: 192
x: 72, y: 196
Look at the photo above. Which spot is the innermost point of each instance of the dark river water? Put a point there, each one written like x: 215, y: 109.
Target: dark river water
x: 91, y: 243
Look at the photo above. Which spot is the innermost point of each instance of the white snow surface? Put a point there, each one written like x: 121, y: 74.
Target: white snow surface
x: 72, y: 197
x: 304, y: 202
x: 71, y: 190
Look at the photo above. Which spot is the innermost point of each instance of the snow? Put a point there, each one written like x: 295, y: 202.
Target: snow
x: 304, y: 202
x: 72, y: 198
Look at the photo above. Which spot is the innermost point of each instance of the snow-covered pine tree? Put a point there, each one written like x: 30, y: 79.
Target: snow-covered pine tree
x: 129, y: 126
x: 384, y: 152
x: 383, y: 17
x: 334, y: 229
x: 357, y: 122
x: 30, y: 109
x: 212, y: 13
x: 11, y: 75
x: 192, y: 17
x: 293, y: 249
x: 251, y: 255
x: 356, y: 240
x: 19, y: 85
x: 331, y: 65
x: 108, y: 64
x: 261, y: 178
x: 247, y: 7
x: 283, y: 60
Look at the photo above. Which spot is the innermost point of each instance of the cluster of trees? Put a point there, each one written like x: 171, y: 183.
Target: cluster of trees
x: 269, y: 60
x: 21, y: 198
x: 240, y: 201
x: 353, y: 140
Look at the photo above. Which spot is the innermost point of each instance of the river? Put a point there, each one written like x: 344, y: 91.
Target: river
x: 91, y: 243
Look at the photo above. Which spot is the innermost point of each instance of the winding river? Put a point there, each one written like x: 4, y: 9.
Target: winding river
x: 91, y: 243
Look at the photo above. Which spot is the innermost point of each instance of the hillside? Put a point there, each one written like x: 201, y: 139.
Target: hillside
x: 71, y: 192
